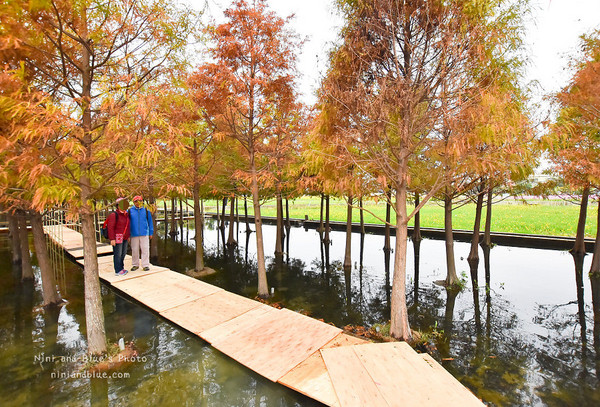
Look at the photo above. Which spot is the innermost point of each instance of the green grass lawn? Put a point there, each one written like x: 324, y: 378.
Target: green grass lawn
x: 554, y: 218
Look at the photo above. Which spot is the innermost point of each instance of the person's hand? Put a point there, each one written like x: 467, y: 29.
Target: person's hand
x: 150, y: 236
x: 113, y: 242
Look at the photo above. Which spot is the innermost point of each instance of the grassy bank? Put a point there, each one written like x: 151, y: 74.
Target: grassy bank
x: 541, y: 218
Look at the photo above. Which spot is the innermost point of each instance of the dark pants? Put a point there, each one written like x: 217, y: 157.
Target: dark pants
x: 119, y: 251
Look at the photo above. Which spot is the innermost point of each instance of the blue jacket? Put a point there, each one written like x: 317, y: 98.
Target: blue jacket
x: 140, y: 222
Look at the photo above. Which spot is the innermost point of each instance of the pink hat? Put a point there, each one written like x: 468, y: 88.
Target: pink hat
x: 119, y: 199
x: 137, y: 198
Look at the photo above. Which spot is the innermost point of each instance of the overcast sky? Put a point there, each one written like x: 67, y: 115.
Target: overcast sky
x: 552, y: 36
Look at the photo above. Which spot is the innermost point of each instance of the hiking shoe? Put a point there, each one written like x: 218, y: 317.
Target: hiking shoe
x: 134, y: 268
x: 146, y: 268
x: 121, y: 273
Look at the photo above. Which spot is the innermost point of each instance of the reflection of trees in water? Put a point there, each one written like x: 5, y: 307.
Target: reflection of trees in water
x: 491, y: 360
x: 491, y: 354
x: 565, y: 350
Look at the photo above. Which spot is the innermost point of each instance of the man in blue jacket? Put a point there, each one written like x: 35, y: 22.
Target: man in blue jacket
x: 142, y: 229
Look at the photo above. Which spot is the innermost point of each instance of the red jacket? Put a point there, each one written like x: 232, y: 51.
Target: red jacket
x: 121, y: 226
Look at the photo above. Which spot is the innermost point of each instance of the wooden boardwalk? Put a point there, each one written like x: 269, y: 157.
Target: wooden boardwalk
x: 306, y: 355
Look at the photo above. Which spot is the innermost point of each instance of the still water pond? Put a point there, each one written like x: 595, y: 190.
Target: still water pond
x: 532, y: 341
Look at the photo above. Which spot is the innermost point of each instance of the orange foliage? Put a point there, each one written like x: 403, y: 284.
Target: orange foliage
x: 574, y: 141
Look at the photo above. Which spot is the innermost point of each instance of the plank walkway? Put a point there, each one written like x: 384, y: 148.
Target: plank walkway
x: 306, y: 355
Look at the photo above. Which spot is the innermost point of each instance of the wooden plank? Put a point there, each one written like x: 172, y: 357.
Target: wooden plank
x: 102, y: 260
x: 311, y: 377
x: 444, y: 375
x: 440, y: 386
x: 166, y: 289
x: 106, y: 270
x: 209, y: 311
x: 237, y: 324
x: 147, y: 283
x: 403, y: 378
x: 167, y: 297
x: 102, y: 250
x: 274, y: 347
x: 193, y: 288
x: 353, y: 385
x: 399, y: 384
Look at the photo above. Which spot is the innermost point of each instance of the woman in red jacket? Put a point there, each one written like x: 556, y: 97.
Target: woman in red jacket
x: 118, y: 234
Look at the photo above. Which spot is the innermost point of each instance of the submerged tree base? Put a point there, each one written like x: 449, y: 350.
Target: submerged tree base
x: 458, y: 286
x: 206, y: 271
x: 113, y: 360
x: 52, y: 305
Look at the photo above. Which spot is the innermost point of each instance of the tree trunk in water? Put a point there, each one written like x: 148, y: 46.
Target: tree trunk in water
x: 580, y: 300
x: 230, y: 238
x: 595, y: 284
x: 222, y: 236
x: 487, y: 235
x: 417, y: 255
x: 222, y: 225
x: 579, y: 247
x: 49, y: 293
x: 94, y: 315
x: 199, y: 227
x: 448, y: 324
x: 154, y: 240
x: 595, y: 268
x: 387, y: 246
x: 248, y: 230
x: 237, y: 216
x: 362, y: 216
x: 166, y: 218
x: 348, y: 285
x: 348, y: 252
x: 321, y: 217
x: 327, y: 263
x: 13, y: 227
x: 451, y: 277
x: 279, y: 228
x: 473, y: 257
x: 287, y: 214
x: 326, y: 219
x: 26, y: 269
x: 263, y: 287
x: 386, y: 265
x: 173, y: 215
x: 399, y: 326
x: 180, y: 211
x: 486, y: 266
x: 416, y: 236
x: 416, y: 239
x: 361, y: 255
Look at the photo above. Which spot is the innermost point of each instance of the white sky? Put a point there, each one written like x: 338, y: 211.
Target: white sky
x: 552, y: 36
